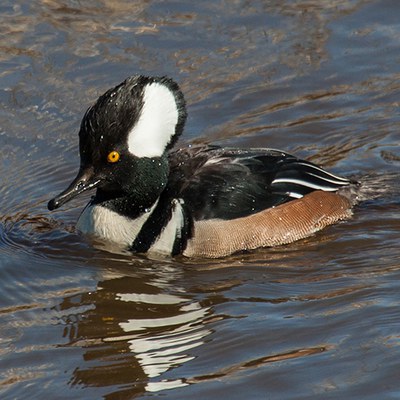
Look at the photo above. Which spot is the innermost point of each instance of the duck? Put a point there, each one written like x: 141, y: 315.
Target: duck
x: 202, y: 201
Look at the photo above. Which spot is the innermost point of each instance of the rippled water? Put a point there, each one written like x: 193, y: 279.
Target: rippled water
x: 315, y: 319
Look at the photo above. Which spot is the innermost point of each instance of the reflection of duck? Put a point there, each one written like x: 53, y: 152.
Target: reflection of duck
x: 138, y: 331
x: 200, y: 201
x: 161, y: 351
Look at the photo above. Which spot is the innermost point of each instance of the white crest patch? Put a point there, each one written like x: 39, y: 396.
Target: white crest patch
x: 156, y: 125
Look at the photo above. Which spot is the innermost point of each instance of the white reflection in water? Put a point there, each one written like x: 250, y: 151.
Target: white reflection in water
x: 159, y: 352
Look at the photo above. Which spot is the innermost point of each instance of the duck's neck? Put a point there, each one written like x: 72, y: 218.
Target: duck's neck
x: 130, y: 206
x: 139, y: 189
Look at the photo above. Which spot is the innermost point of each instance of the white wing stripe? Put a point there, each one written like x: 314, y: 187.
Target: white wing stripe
x: 304, y: 183
x: 295, y: 195
x: 335, y: 182
x: 324, y: 172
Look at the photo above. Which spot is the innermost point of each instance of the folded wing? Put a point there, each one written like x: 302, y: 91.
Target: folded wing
x: 231, y: 183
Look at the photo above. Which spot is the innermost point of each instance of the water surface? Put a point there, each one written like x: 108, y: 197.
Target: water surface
x: 315, y: 319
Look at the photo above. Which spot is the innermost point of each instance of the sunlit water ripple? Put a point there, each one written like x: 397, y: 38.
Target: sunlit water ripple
x: 315, y: 319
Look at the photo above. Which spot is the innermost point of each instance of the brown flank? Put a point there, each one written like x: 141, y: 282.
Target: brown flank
x: 283, y: 224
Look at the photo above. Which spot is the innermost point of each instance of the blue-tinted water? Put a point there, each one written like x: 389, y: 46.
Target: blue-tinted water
x: 318, y: 319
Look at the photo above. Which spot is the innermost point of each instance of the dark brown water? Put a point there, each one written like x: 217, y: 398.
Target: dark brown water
x: 318, y: 319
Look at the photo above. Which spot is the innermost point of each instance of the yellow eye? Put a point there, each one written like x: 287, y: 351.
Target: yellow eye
x: 113, y: 157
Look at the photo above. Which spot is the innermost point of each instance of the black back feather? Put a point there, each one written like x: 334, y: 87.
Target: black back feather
x: 232, y: 183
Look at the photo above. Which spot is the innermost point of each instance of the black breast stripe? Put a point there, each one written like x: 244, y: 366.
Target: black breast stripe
x: 152, y: 228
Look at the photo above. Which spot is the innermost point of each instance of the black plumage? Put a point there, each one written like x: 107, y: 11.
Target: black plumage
x: 228, y: 183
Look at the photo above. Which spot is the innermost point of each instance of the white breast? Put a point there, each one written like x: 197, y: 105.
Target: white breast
x: 107, y: 224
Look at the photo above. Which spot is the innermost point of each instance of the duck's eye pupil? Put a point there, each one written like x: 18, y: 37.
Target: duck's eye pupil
x: 113, y: 157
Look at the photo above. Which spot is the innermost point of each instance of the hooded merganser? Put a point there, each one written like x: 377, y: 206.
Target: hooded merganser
x: 199, y: 201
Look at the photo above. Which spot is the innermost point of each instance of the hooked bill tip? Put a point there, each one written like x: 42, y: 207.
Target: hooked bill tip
x: 53, y: 204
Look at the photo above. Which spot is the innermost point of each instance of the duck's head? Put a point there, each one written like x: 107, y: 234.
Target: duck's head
x: 124, y: 138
